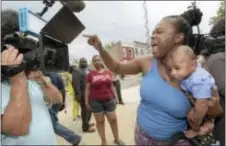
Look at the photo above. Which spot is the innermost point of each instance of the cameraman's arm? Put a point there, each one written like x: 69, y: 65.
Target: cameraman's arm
x: 216, y: 66
x: 51, y: 92
x: 16, y: 114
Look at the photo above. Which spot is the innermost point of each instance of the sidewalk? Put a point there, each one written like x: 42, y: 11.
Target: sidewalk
x: 126, y: 120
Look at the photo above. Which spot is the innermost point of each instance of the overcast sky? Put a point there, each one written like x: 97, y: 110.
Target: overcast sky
x: 119, y: 20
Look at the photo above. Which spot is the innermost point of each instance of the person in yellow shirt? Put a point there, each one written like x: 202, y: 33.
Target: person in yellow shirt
x: 71, y: 92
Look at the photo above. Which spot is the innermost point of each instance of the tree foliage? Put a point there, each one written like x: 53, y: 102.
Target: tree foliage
x: 220, y: 13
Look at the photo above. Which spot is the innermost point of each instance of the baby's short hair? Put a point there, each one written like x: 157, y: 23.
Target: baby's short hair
x: 184, y: 49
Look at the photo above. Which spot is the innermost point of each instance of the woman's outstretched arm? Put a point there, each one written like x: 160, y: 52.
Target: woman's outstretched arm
x: 130, y: 67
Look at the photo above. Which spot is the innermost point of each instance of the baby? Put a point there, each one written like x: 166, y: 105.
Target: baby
x: 182, y: 65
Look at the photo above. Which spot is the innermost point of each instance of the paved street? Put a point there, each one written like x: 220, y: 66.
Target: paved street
x: 130, y: 82
x: 126, y: 119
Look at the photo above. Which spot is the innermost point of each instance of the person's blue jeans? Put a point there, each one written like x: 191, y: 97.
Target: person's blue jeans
x: 67, y: 134
x: 63, y: 131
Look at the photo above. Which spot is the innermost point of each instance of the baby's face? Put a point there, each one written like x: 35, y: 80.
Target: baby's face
x: 180, y: 67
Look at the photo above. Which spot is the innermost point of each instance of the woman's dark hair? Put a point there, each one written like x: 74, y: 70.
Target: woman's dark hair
x: 184, y: 23
x: 218, y: 28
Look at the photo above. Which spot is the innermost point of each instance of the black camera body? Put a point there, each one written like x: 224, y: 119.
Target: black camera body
x: 28, y: 47
x: 207, y: 44
x: 47, y: 51
x: 215, y: 44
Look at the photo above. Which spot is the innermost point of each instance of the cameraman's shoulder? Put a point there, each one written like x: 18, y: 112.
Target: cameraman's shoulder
x: 220, y: 56
x: 217, y: 56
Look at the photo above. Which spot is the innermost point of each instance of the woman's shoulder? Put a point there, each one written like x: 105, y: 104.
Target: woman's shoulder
x: 148, y: 58
x: 145, y: 62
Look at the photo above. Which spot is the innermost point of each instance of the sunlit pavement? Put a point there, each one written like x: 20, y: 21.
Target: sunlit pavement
x: 126, y: 119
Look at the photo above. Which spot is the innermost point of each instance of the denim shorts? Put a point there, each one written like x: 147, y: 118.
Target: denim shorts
x: 99, y: 106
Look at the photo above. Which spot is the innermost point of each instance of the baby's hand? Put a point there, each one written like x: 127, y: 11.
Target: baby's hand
x: 191, y: 133
x: 206, y: 128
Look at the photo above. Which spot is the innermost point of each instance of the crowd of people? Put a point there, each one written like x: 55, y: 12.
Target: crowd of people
x: 88, y: 87
x: 31, y: 100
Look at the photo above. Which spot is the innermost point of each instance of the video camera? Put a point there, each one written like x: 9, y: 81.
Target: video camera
x: 43, y: 44
x: 205, y: 44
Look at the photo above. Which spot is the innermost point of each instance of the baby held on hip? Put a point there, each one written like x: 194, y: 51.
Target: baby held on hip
x: 182, y: 65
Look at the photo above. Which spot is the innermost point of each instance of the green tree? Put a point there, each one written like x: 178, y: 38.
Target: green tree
x: 220, y: 13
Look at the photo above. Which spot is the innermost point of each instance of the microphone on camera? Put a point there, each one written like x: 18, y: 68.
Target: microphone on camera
x: 74, y: 6
x: 9, y: 22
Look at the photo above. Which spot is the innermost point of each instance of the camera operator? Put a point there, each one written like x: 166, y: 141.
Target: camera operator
x: 216, y: 66
x: 25, y: 117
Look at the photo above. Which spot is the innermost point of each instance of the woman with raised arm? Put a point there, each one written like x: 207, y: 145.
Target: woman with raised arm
x: 160, y: 114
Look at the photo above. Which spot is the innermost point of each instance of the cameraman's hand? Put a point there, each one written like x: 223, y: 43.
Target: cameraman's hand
x: 94, y: 41
x: 11, y: 56
x: 39, y: 76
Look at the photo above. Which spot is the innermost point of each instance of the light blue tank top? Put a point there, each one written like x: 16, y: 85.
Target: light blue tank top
x: 41, y: 130
x: 163, y: 109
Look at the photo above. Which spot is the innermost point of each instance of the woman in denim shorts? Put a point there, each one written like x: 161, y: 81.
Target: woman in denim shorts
x: 101, y: 100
